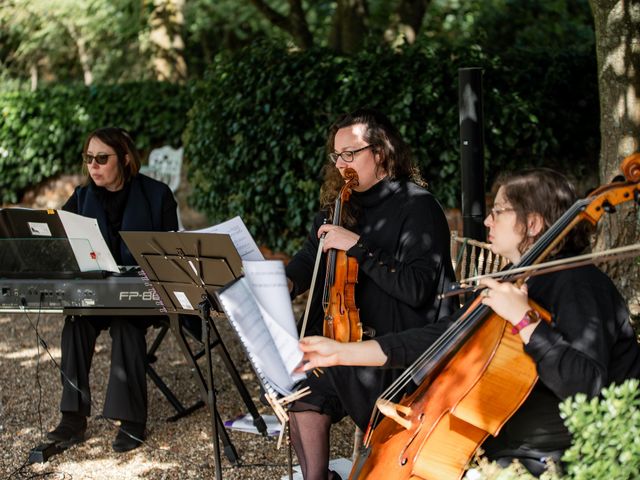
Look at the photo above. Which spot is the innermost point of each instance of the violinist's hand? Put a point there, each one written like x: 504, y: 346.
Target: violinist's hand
x: 337, y: 237
x: 324, y: 352
x: 319, y: 352
x: 508, y: 301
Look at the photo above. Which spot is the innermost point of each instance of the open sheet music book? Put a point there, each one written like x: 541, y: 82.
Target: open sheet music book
x: 49, y: 227
x: 259, y: 308
x: 240, y: 236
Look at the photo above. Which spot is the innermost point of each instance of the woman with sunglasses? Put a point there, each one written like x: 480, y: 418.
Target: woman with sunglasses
x: 120, y: 199
x: 398, y: 234
x: 588, y: 345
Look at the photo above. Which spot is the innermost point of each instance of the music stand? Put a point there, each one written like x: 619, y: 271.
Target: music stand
x: 186, y: 269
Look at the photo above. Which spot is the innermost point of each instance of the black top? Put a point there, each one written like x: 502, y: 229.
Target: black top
x: 589, y: 344
x: 113, y: 204
x: 404, y: 262
x: 403, y: 258
x: 144, y: 204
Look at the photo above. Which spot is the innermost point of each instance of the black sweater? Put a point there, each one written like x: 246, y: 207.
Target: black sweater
x: 403, y: 258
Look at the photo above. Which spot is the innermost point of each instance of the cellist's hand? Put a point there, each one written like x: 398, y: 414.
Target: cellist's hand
x: 324, y: 352
x: 508, y: 301
x: 337, y: 237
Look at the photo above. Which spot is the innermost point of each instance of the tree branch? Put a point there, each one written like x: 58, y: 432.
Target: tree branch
x: 295, y: 24
x: 277, y: 19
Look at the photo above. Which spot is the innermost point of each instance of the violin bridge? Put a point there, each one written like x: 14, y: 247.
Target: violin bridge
x: 395, y: 412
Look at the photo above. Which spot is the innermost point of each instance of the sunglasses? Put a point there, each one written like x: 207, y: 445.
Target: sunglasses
x: 101, y: 158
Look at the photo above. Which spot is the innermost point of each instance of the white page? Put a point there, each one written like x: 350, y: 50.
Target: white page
x: 240, y: 236
x: 87, y: 242
x: 268, y: 282
x: 243, y: 312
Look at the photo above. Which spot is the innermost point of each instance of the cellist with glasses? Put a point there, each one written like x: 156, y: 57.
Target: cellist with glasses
x: 588, y: 344
x: 397, y: 233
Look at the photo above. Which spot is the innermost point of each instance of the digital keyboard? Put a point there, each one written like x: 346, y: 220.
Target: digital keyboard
x: 124, y: 294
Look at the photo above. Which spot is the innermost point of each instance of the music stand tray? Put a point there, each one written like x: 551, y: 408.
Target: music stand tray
x: 186, y: 269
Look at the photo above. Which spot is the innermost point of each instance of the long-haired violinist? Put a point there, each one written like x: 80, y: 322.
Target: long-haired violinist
x: 588, y: 344
x: 397, y: 234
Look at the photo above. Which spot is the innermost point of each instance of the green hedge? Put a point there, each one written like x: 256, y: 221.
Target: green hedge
x: 255, y: 139
x: 255, y: 135
x: 41, y: 132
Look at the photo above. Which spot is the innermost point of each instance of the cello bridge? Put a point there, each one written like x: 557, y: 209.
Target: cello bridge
x: 396, y: 412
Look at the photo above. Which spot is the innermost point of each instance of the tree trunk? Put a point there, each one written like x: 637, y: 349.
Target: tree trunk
x: 295, y: 24
x: 348, y: 27
x: 406, y: 22
x: 33, y: 70
x: 83, y: 54
x: 618, y: 50
x: 167, y: 22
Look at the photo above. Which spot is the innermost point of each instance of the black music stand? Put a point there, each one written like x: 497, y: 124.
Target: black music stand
x: 186, y: 269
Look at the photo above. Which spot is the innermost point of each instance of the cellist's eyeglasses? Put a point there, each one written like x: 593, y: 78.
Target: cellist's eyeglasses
x: 347, y: 156
x: 494, y: 212
x: 100, y: 158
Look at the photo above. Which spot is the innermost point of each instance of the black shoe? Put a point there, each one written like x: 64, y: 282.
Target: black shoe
x: 130, y: 436
x: 70, y: 430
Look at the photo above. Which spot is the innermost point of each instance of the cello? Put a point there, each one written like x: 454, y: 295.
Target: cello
x: 474, y: 377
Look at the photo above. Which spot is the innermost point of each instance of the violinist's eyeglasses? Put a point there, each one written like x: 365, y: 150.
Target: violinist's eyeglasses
x: 101, y: 158
x: 347, y: 156
x: 494, y: 212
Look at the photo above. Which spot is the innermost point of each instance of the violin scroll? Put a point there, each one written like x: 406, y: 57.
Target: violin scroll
x: 351, y: 180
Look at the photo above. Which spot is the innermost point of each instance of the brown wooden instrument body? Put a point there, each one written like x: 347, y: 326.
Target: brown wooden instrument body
x: 342, y: 303
x: 433, y: 433
x: 451, y: 416
x: 341, y: 316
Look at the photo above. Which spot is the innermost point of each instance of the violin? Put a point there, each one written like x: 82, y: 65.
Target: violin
x: 341, y: 316
x: 474, y: 377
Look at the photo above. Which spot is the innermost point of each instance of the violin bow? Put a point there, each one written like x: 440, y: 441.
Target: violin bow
x: 313, y: 285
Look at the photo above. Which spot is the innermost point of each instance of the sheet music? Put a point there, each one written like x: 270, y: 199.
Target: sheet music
x: 240, y: 236
x: 245, y: 315
x: 87, y: 243
x: 268, y: 282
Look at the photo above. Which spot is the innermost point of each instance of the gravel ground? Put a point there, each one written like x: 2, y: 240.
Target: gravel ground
x: 30, y: 391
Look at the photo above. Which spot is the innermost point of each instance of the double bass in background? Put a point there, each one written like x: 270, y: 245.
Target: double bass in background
x: 495, y: 377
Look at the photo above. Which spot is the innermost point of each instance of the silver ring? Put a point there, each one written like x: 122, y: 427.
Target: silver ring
x: 486, y: 292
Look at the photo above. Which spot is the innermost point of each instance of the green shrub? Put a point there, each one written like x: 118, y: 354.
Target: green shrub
x: 255, y: 139
x: 606, y: 434
x: 41, y: 132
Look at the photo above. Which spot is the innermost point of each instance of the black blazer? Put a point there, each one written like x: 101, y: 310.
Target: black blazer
x: 150, y: 207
